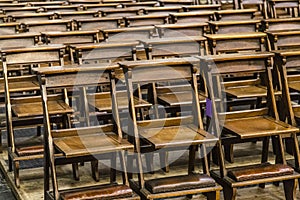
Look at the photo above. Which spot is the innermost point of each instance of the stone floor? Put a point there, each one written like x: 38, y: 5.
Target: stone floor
x: 32, y: 179
x: 5, y: 191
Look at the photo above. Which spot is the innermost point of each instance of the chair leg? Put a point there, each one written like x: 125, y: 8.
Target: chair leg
x: 149, y: 162
x: 17, y: 173
x: 215, y: 195
x: 10, y: 164
x: 163, y: 156
x: 130, y: 166
x: 113, y: 171
x: 95, y: 170
x: 75, y: 171
x: 1, y: 147
x: 228, y: 150
x: 229, y: 193
x: 290, y: 189
x: 39, y: 131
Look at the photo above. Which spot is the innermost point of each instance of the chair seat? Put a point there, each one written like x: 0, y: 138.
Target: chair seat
x: 109, y: 192
x: 30, y: 150
x: 258, y: 126
x: 178, y: 98
x: 265, y: 170
x: 295, y: 85
x: 91, y: 144
x: 103, y: 104
x: 36, y: 109
x: 247, y: 91
x: 177, y: 183
x: 176, y: 136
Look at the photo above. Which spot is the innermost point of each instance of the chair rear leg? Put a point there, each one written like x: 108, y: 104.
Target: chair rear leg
x: 290, y: 189
x: 229, y: 193
x: 17, y: 173
x: 75, y: 171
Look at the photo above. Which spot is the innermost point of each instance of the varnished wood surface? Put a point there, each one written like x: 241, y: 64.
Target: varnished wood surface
x: 91, y: 144
x: 264, y: 126
x: 235, y: 35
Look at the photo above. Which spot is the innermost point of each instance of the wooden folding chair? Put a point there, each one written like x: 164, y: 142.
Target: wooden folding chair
x: 165, y: 134
x: 249, y: 124
x: 9, y: 28
x: 122, y: 12
x: 22, y: 39
x: 146, y: 4
x: 25, y: 109
x: 206, y: 7
x: 29, y: 17
x: 84, y: 143
x: 163, y: 10
x: 78, y: 15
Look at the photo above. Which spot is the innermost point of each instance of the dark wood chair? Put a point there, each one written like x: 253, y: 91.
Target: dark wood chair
x: 25, y: 109
x: 91, y: 143
x: 191, y: 17
x: 146, y: 20
x: 99, y: 23
x: 177, y: 30
x: 261, y: 123
x: 224, y: 27
x: 22, y: 10
x: 230, y: 15
x: 162, y: 134
x: 260, y: 5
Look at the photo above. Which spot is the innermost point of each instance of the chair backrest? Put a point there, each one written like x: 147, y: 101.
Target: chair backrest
x: 146, y: 20
x: 78, y: 15
x: 33, y: 55
x: 243, y: 14
x: 122, y: 12
x: 226, y: 43
x: 29, y: 17
x: 71, y: 37
x: 98, y: 23
x: 204, y: 7
x: 284, y: 39
x: 191, y: 17
x: 145, y: 4
x: 16, y: 40
x: 162, y: 10
x: 175, y: 46
x: 105, y: 51
x: 281, y: 24
x: 9, y: 28
x: 287, y: 62
x: 177, y: 30
x: 223, y: 27
x: 49, y: 25
x: 128, y: 34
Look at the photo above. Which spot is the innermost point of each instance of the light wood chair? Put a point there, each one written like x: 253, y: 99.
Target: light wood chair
x: 85, y: 143
x: 167, y: 134
x: 261, y: 123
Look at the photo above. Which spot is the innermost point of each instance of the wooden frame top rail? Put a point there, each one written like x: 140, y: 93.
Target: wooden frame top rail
x: 186, y: 14
x: 163, y: 8
x: 284, y: 32
x: 105, y: 45
x: 236, y: 56
x: 74, y: 69
x: 173, y: 40
x: 68, y: 33
x: 31, y: 49
x: 287, y: 53
x: 220, y: 12
x: 234, y: 22
x: 45, y: 22
x: 235, y: 35
x: 99, y: 19
x: 169, y: 61
x: 101, y: 6
x: 145, y: 3
x: 21, y: 35
x: 147, y: 16
x: 187, y: 25
x: 188, y: 8
x: 129, y: 29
